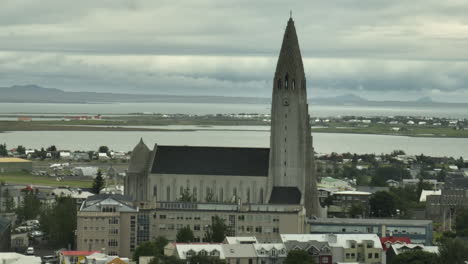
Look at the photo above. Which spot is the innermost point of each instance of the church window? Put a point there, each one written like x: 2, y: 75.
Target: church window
x: 261, y: 195
x: 168, y: 193
x: 155, y: 191
x: 181, y: 190
x: 248, y: 195
x: 293, y: 84
x: 234, y: 192
x: 286, y: 80
x: 194, y: 193
x: 221, y: 195
x: 279, y: 83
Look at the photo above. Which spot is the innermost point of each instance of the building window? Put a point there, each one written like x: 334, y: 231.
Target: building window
x: 293, y: 85
x: 369, y: 255
x: 248, y: 195
x: 279, y: 83
x: 376, y: 255
x: 168, y: 193
x: 286, y: 80
x: 261, y: 196
x: 155, y: 191
x: 221, y: 195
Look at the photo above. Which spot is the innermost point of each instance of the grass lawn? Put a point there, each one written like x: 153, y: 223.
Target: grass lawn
x: 22, y: 178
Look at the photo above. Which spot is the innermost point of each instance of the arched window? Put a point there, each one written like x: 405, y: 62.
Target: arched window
x: 293, y: 84
x: 248, y: 195
x: 155, y: 191
x: 234, y: 192
x: 286, y: 82
x: 261, y: 196
x: 168, y: 193
x: 279, y: 83
x: 221, y: 195
x: 194, y: 193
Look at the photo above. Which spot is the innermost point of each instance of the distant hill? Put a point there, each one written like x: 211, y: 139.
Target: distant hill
x: 38, y: 94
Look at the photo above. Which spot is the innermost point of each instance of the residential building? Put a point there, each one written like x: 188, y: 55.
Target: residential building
x: 344, y: 200
x: 442, y: 208
x: 319, y: 250
x: 5, y: 235
x: 101, y: 258
x: 263, y: 221
x: 419, y: 231
x: 15, y: 165
x: 107, y: 222
x: 397, y: 249
x: 387, y: 242
x: 356, y: 248
x: 74, y: 256
x: 15, y: 258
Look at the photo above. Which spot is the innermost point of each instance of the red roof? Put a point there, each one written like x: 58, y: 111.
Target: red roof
x: 78, y: 253
x: 394, y: 240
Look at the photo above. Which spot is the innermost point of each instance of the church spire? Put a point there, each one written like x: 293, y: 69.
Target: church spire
x: 290, y: 58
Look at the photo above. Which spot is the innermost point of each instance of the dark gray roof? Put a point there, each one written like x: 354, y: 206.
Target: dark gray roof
x: 285, y: 195
x: 4, y: 224
x: 369, y: 221
x: 292, y: 244
x: 227, y: 161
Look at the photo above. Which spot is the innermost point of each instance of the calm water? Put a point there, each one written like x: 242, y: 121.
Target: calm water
x: 201, y: 109
x: 323, y: 142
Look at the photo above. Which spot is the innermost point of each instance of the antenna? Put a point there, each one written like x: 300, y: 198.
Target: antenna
x: 290, y: 13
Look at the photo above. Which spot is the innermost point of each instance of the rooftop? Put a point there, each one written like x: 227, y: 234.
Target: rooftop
x: 8, y: 160
x: 225, y: 161
x: 369, y: 221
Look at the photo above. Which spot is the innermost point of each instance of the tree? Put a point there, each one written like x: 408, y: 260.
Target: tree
x: 453, y: 251
x: 3, y: 150
x: 299, y: 257
x: 98, y: 183
x: 151, y: 248
x: 52, y: 148
x: 42, y: 154
x: 21, y: 150
x: 103, y: 149
x: 461, y: 222
x: 415, y: 257
x: 187, y: 196
x: 60, y: 222
x: 217, y: 231
x: 185, y: 235
x: 383, y: 204
x: 30, y: 206
x: 9, y: 202
x: 356, y: 210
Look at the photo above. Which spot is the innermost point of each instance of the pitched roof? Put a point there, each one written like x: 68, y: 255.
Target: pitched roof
x: 285, y: 195
x: 394, y: 240
x: 225, y: 161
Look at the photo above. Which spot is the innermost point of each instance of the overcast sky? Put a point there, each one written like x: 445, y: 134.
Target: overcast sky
x: 377, y: 49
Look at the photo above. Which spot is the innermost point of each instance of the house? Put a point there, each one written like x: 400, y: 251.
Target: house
x: 101, y: 258
x: 85, y: 171
x: 103, y: 156
x: 185, y: 251
x: 319, y: 250
x: 73, y: 256
x: 425, y: 193
x: 361, y: 248
x: 397, y: 249
x: 387, y: 242
x: 15, y: 258
x: 65, y: 155
x: 344, y: 200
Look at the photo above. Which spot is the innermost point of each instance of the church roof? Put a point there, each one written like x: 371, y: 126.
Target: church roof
x: 223, y: 161
x: 285, y: 195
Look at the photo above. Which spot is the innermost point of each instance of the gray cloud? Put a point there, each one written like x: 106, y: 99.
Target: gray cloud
x: 230, y: 47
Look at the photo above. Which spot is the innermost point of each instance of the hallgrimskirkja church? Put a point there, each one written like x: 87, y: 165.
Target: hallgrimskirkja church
x: 281, y: 174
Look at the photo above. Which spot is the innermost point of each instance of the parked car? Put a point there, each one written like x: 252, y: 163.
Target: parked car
x: 49, y: 259
x: 30, y: 251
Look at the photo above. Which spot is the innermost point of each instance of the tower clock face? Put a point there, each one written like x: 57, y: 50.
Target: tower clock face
x: 285, y: 101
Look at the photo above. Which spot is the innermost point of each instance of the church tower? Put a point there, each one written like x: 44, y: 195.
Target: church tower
x: 291, y: 153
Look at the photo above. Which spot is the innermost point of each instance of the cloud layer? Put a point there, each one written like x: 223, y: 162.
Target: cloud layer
x: 372, y: 48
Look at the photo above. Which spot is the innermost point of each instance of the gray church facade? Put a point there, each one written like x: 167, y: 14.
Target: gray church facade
x: 281, y: 174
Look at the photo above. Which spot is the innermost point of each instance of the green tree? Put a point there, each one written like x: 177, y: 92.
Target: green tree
x: 151, y: 248
x: 383, y: 204
x: 21, y: 150
x: 30, y: 207
x: 185, y: 235
x: 59, y: 222
x: 98, y: 183
x: 9, y: 202
x: 461, y: 222
x: 52, y: 148
x: 3, y: 150
x: 103, y: 149
x: 453, y: 251
x: 415, y: 257
x: 356, y: 210
x: 299, y: 257
x: 217, y: 231
x: 187, y: 196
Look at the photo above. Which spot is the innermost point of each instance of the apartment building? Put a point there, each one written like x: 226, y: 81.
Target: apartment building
x: 107, y: 223
x: 264, y: 221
